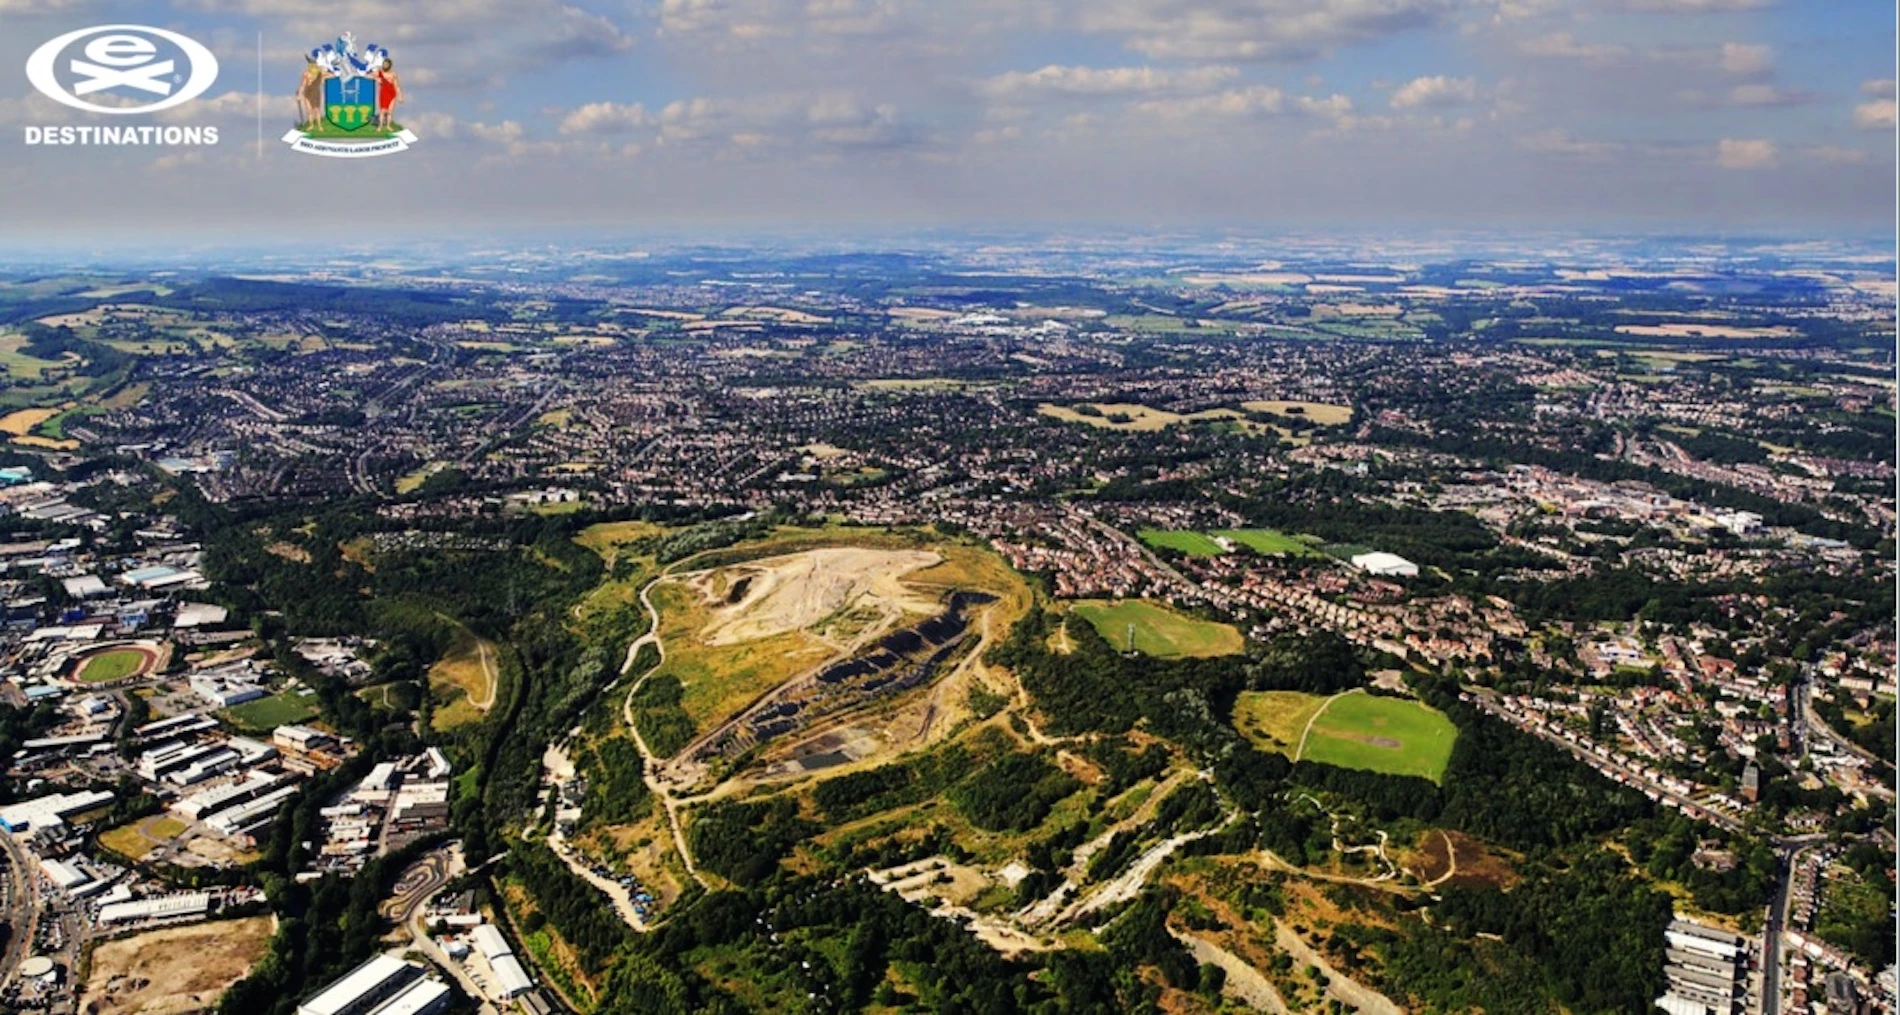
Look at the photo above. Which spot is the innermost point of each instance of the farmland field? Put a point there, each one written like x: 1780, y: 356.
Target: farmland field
x: 1269, y: 541
x: 1397, y: 736
x: 1159, y: 631
x: 1194, y: 544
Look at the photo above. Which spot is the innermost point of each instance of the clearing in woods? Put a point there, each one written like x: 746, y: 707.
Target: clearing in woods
x: 1397, y: 736
x: 175, y: 970
x: 1159, y: 631
x: 464, y: 681
x: 1276, y: 720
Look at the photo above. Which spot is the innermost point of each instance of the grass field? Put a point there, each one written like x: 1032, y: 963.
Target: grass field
x: 463, y: 682
x: 1159, y: 631
x: 1322, y: 413
x: 116, y: 664
x: 607, y: 538
x: 1275, y: 720
x: 1397, y: 736
x: 1269, y: 541
x: 266, y: 714
x: 1194, y: 544
x: 1129, y: 416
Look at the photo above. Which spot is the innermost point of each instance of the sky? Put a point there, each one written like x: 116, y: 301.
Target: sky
x: 1705, y: 116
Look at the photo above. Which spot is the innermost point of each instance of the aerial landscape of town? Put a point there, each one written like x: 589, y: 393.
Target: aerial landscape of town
x: 1183, y: 624
x: 949, y: 507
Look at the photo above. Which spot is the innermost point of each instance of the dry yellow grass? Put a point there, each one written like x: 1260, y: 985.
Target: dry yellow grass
x: 47, y: 442
x: 1323, y: 413
x: 1140, y: 418
x: 607, y: 538
x: 21, y: 422
x: 1701, y: 330
x: 464, y: 681
x: 176, y: 970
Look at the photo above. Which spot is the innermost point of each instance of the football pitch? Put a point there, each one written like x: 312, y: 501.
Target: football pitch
x: 1269, y: 541
x: 1193, y: 544
x: 1397, y: 736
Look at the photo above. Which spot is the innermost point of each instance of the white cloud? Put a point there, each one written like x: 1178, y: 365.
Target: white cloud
x: 1235, y: 30
x: 462, y: 42
x: 751, y: 23
x: 1434, y: 92
x: 1056, y: 79
x: 1696, y: 6
x: 605, y: 118
x: 1559, y: 142
x: 1750, y: 153
x: 507, y: 132
x: 1879, y: 88
x: 1762, y: 94
x: 1747, y: 59
x: 1241, y: 103
x: 1565, y: 45
x: 1838, y: 155
x: 1876, y: 115
x: 1255, y: 100
x: 812, y: 122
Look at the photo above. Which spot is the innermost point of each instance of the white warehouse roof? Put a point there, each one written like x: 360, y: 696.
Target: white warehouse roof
x: 510, y: 977
x: 490, y: 942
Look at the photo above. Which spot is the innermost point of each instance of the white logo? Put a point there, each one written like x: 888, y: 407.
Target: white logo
x: 122, y: 57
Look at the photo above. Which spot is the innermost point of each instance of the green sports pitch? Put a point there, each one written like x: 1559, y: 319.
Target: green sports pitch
x: 1270, y: 541
x: 1159, y: 631
x: 115, y: 664
x: 1194, y: 544
x: 1201, y: 544
x: 1397, y: 736
x: 264, y: 714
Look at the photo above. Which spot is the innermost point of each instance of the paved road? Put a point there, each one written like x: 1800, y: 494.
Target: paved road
x: 23, y: 909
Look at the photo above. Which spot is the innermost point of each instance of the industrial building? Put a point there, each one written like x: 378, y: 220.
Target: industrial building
x: 363, y: 989
x: 489, y: 941
x: 208, y: 802
x: 511, y: 980
x: 248, y: 816
x: 1706, y: 971
x: 1385, y: 565
x: 301, y: 739
x: 164, y: 907
x: 423, y: 997
x: 50, y: 812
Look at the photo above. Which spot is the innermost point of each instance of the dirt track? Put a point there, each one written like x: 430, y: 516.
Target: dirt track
x: 176, y: 970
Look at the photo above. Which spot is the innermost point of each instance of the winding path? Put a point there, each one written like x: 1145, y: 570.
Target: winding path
x: 649, y: 773
x: 1300, y: 751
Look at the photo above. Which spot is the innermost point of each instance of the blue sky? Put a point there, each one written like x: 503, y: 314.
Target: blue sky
x: 1708, y: 115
